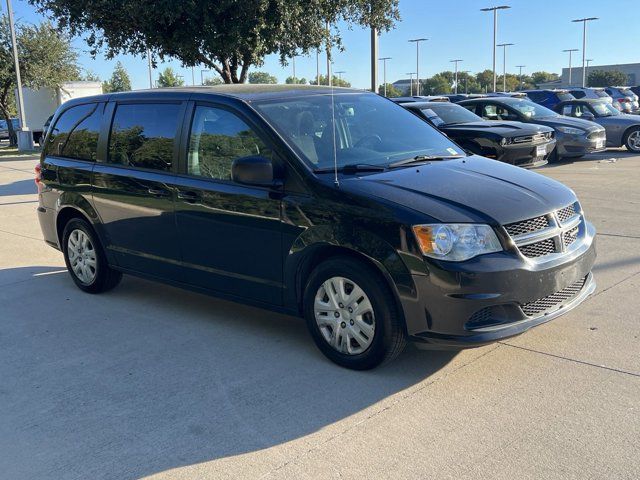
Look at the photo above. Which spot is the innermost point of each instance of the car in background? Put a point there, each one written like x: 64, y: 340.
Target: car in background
x: 458, y: 97
x: 574, y: 137
x: 624, y: 98
x: 635, y: 90
x: 4, y: 130
x: 422, y: 98
x: 508, y: 94
x: 521, y: 144
x: 596, y: 93
x: 622, y: 129
x: 549, y: 98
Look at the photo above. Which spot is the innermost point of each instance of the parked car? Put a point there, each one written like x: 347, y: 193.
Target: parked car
x: 588, y: 92
x: 343, y: 208
x: 574, y: 137
x: 622, y: 129
x: 521, y: 144
x: 623, y: 98
x: 4, y: 129
x: 549, y: 98
x: 458, y: 97
x: 635, y: 90
x: 508, y: 94
x: 422, y: 98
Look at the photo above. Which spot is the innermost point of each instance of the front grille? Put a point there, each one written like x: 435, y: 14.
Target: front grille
x: 598, y: 134
x: 571, y: 236
x: 527, y: 226
x: 536, y: 138
x: 553, y: 301
x: 566, y: 213
x: 480, y: 318
x: 539, y: 249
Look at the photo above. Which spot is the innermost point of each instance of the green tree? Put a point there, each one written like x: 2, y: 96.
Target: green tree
x: 169, y: 78
x: 439, y: 84
x: 603, y: 78
x: 119, y: 82
x: 392, y: 91
x: 46, y: 60
x: 262, y: 77
x: 90, y: 76
x: 544, y: 77
x: 335, y: 81
x: 213, y: 81
x: 296, y: 80
x: 228, y: 37
x: 484, y: 79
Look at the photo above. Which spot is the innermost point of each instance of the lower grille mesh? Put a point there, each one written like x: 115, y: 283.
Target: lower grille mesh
x: 551, y: 302
x: 538, y: 249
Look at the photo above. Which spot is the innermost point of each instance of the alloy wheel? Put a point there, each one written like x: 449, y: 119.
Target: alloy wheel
x: 633, y: 141
x: 82, y: 256
x: 344, y: 315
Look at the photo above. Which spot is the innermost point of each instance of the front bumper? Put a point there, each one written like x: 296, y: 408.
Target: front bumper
x: 526, y: 155
x: 577, y: 145
x: 499, y: 287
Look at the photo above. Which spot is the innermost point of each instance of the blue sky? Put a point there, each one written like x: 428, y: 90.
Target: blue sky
x: 541, y: 29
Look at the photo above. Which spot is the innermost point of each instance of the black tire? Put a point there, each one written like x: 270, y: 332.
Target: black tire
x: 105, y: 277
x: 389, y: 338
x: 627, y: 143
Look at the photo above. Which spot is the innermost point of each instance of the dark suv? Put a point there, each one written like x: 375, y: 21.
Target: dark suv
x: 336, y: 205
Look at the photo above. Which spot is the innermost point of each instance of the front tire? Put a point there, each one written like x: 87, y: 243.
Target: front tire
x: 352, y: 315
x: 85, y: 258
x: 632, y: 140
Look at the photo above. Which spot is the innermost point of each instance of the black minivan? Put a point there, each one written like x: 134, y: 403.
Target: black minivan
x: 332, y: 204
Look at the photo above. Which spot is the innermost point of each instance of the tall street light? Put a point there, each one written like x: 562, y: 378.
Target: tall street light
x: 504, y: 64
x: 411, y: 74
x: 588, y: 60
x: 466, y: 79
x: 150, y: 68
x: 384, y: 73
x: 495, y: 35
x: 202, y: 76
x: 570, y: 50
x: 456, y: 73
x: 584, y: 46
x: 520, y: 75
x: 339, y: 73
x: 417, y: 42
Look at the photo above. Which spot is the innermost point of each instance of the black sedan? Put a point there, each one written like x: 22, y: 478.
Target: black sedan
x: 517, y: 143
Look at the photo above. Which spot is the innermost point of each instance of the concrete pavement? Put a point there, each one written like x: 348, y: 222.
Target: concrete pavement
x: 152, y: 381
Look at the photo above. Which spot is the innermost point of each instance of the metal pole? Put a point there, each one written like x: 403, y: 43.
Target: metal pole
x: 24, y: 138
x: 410, y: 82
x: 150, y: 68
x: 570, y: 82
x: 520, y: 75
x: 293, y: 61
x: 329, y: 79
x: 456, y: 73
x: 584, y: 49
x: 417, y: 42
x: 374, y: 60
x: 318, y: 67
x: 495, y: 40
x: 504, y: 68
x: 384, y: 77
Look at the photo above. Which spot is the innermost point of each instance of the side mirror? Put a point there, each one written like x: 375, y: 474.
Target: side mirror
x: 588, y: 116
x: 253, y: 170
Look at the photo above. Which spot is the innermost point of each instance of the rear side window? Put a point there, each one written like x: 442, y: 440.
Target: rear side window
x: 578, y: 93
x: 143, y: 135
x: 536, y: 96
x: 75, y: 134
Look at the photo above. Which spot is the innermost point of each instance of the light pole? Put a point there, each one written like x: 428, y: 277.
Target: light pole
x: 570, y: 50
x: 456, y: 73
x: 150, y: 68
x: 193, y: 76
x: 318, y: 67
x: 520, y: 74
x: 584, y: 46
x: 293, y: 64
x: 329, y: 79
x: 384, y: 73
x: 466, y: 80
x: 504, y: 64
x: 417, y: 42
x: 495, y: 35
x: 202, y: 76
x: 374, y: 60
x: 339, y: 73
x: 588, y: 60
x: 411, y: 74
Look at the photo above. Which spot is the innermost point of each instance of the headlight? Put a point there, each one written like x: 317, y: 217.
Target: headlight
x: 572, y: 131
x: 456, y: 241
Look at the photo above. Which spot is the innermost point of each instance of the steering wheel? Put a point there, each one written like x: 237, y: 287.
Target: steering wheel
x: 371, y: 139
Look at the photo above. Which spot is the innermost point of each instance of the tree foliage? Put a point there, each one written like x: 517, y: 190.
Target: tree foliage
x: 46, y: 60
x: 603, y: 78
x: 543, y: 77
x: 262, y: 77
x: 335, y: 81
x: 296, y: 80
x: 392, y: 91
x: 169, y: 78
x: 119, y: 81
x: 213, y: 81
x: 228, y: 36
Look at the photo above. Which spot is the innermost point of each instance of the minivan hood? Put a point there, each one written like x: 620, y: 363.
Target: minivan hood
x: 470, y: 189
x: 504, y: 128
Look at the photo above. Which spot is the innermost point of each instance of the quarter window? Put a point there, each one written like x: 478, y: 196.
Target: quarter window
x: 143, y: 135
x: 75, y: 134
x: 217, y: 138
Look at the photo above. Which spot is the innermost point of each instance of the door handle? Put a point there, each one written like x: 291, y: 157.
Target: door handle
x: 189, y: 197
x: 158, y: 192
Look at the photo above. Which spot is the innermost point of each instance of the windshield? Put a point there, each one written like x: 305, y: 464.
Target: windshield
x: 601, y: 93
x: 565, y: 96
x: 532, y: 110
x: 605, y: 110
x: 450, y: 113
x: 369, y: 130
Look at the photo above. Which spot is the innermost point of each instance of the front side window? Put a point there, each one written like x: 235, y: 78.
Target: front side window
x: 356, y: 128
x: 491, y: 111
x: 605, y: 110
x: 451, y: 114
x: 143, y: 135
x: 217, y: 138
x: 531, y: 110
x: 75, y: 134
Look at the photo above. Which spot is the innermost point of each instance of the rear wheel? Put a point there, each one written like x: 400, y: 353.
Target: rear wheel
x: 351, y: 314
x: 632, y: 140
x: 85, y: 258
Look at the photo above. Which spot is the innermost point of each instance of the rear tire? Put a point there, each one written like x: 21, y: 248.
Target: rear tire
x: 85, y: 258
x: 632, y: 140
x: 364, y: 329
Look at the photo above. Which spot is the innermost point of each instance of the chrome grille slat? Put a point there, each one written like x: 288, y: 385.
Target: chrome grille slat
x: 527, y: 226
x: 553, y: 301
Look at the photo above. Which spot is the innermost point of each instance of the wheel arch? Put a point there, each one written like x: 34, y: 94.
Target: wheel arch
x: 627, y: 131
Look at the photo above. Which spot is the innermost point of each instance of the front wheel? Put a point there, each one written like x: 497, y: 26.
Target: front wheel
x: 351, y: 314
x: 632, y: 140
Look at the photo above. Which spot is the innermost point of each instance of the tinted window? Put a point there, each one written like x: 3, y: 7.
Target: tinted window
x: 75, y: 134
x: 451, y: 113
x: 565, y: 96
x: 217, y: 138
x: 537, y: 96
x: 579, y: 93
x: 142, y: 135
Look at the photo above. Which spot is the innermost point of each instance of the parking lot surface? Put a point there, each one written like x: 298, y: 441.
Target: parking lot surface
x: 152, y: 381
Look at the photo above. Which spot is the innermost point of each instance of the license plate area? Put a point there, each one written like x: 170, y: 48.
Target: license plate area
x: 541, y: 150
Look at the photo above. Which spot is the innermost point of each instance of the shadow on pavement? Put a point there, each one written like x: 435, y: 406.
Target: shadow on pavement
x: 20, y: 187
x: 147, y: 378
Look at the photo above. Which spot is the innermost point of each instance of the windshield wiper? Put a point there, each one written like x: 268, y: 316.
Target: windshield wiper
x: 353, y: 168
x: 422, y: 158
